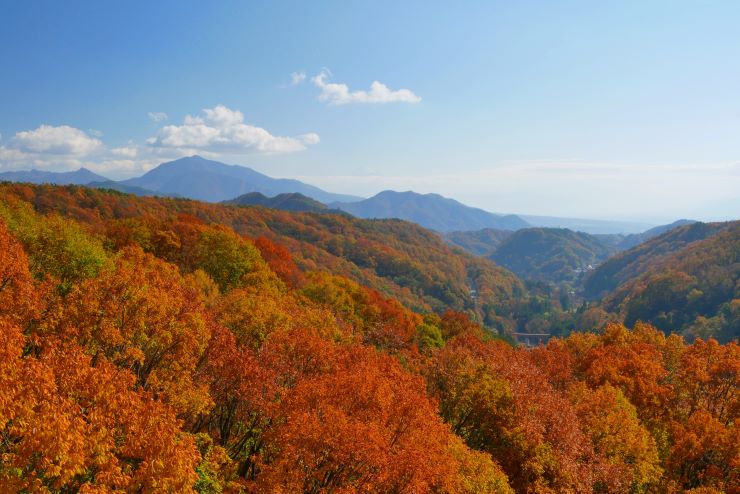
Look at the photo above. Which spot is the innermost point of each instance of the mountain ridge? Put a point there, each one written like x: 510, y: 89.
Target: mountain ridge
x: 207, y: 180
x: 288, y: 201
x: 432, y: 211
x: 81, y: 176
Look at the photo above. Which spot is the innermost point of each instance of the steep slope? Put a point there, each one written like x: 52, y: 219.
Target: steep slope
x: 430, y: 211
x: 479, y: 242
x: 397, y: 258
x: 686, y: 281
x: 550, y: 254
x: 206, y: 180
x: 287, y: 202
x: 637, y: 238
x: 78, y: 177
x: 634, y: 262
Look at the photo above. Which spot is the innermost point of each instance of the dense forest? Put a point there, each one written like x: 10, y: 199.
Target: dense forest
x: 687, y: 281
x: 556, y: 255
x: 400, y: 259
x: 160, y: 345
x: 681, y: 277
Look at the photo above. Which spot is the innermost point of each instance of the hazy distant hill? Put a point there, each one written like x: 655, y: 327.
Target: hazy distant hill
x: 287, y: 202
x: 587, y: 225
x: 683, y: 280
x: 550, y: 254
x: 129, y: 189
x: 198, y: 178
x: 78, y: 177
x: 430, y: 211
x: 479, y: 242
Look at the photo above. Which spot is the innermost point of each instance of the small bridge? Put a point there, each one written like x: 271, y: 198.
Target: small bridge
x: 531, y: 339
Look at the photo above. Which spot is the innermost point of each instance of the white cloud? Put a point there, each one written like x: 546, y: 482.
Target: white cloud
x: 310, y: 138
x: 157, y: 116
x: 62, y: 140
x: 339, y: 94
x: 128, y: 151
x: 297, y: 78
x: 62, y: 148
x: 222, y: 129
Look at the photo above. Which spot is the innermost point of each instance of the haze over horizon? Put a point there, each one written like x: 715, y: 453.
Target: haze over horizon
x: 626, y: 111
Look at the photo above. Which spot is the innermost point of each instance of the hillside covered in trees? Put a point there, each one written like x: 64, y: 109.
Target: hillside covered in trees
x: 550, y: 254
x: 687, y: 280
x: 180, y: 355
x: 397, y: 258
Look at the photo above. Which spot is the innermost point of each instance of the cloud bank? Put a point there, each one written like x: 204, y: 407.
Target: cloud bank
x: 216, y: 132
x: 222, y: 130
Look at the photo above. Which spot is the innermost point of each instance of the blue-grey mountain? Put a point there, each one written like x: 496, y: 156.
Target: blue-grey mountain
x: 83, y: 176
x: 195, y: 177
x: 430, y: 211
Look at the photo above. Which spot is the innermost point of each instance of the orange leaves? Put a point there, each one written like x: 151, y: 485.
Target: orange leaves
x: 705, y: 453
x: 498, y: 402
x: 366, y: 426
x: 280, y: 261
x: 141, y: 316
x: 17, y: 297
x: 381, y: 321
x: 617, y: 434
x: 709, y: 379
x: 189, y: 334
x: 68, y: 424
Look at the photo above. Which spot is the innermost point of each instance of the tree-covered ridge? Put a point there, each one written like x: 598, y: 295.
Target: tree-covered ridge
x: 398, y: 258
x: 550, y: 254
x: 209, y: 362
x: 694, y: 289
x: 479, y: 242
x: 634, y: 262
x: 288, y: 202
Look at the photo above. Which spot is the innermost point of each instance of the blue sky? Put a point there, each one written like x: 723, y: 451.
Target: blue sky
x: 626, y: 110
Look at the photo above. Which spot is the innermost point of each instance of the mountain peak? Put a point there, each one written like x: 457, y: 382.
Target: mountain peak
x: 431, y: 211
x: 199, y: 178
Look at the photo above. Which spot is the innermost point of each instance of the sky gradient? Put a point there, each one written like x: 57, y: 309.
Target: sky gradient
x: 617, y: 110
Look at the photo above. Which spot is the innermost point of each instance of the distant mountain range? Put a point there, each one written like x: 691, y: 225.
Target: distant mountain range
x: 198, y: 178
x: 587, y: 225
x: 430, y: 211
x: 206, y: 180
x: 82, y: 176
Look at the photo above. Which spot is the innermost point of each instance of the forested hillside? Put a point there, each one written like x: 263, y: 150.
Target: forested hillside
x: 479, y: 242
x: 550, y: 254
x: 395, y: 257
x: 637, y: 260
x: 287, y: 202
x: 170, y: 354
x: 682, y: 285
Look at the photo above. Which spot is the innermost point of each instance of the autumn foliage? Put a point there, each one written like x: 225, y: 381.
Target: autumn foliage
x: 174, y: 354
